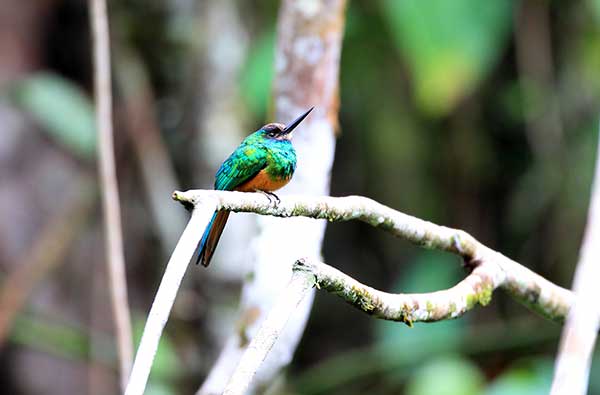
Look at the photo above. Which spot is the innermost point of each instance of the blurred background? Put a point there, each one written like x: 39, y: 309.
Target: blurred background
x: 476, y: 115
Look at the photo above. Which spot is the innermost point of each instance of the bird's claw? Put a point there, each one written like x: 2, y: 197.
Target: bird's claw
x: 273, y: 199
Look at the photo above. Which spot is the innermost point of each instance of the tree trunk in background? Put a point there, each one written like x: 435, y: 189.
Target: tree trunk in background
x: 222, y: 119
x: 220, y: 123
x: 307, y: 68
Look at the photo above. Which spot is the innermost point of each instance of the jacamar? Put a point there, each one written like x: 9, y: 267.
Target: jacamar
x: 265, y: 161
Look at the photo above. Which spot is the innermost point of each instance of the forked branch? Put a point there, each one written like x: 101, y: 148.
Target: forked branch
x: 523, y: 284
x: 475, y: 289
x: 491, y: 270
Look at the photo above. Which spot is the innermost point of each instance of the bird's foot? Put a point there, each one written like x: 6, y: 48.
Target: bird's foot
x: 273, y: 199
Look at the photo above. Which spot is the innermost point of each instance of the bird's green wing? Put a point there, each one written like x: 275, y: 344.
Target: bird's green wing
x: 243, y: 164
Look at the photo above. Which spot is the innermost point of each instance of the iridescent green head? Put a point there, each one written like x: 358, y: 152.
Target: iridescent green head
x: 280, y: 131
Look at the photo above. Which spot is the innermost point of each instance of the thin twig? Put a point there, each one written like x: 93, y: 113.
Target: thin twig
x: 269, y: 332
x: 524, y: 285
x: 165, y: 296
x: 574, y: 359
x: 110, y: 194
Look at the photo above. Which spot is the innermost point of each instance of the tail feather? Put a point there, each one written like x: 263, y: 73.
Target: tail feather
x: 211, y: 237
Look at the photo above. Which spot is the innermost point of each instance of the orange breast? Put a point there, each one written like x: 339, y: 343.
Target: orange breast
x: 262, y: 182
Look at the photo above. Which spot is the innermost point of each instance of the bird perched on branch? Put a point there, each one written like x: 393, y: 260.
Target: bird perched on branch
x: 265, y: 161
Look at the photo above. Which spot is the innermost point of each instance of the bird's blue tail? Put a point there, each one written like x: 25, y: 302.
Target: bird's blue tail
x: 210, y: 238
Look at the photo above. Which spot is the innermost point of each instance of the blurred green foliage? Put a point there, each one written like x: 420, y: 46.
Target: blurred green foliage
x: 451, y: 375
x: 430, y: 271
x: 525, y: 377
x: 167, y: 366
x: 454, y: 375
x: 53, y: 338
x: 63, y: 110
x: 257, y: 75
x: 449, y: 45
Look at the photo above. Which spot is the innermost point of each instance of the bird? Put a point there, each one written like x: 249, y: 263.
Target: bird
x: 264, y: 162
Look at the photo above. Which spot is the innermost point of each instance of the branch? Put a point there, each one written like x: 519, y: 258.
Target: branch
x: 476, y: 289
x: 165, y: 296
x: 269, y: 332
x: 574, y: 358
x: 110, y: 193
x: 524, y: 285
x: 491, y: 270
x: 408, y: 308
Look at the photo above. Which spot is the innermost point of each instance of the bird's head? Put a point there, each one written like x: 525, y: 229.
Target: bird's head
x: 280, y: 131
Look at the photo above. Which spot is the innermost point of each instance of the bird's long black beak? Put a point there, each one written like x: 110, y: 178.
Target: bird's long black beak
x: 288, y: 129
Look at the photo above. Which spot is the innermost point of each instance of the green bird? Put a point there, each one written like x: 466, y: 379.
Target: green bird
x: 265, y: 161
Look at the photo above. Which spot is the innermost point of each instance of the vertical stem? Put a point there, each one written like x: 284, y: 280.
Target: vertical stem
x: 574, y: 358
x: 110, y: 194
x: 165, y: 297
x: 269, y: 332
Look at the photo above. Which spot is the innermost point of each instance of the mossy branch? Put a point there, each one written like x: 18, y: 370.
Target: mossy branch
x: 474, y: 290
x: 497, y: 270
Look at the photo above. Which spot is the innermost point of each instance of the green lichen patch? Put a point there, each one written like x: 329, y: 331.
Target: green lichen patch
x: 430, y: 307
x: 452, y: 308
x: 181, y: 198
x: 471, y: 301
x: 361, y: 298
x: 482, y: 296
x: 404, y: 315
x: 485, y: 295
x: 406, y: 318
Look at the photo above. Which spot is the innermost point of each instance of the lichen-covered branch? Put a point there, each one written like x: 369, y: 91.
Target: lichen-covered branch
x: 524, y: 285
x: 475, y: 289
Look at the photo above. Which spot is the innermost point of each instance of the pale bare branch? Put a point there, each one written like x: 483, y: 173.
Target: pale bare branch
x: 165, y: 296
x: 269, y: 332
x: 581, y: 329
x: 108, y: 180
